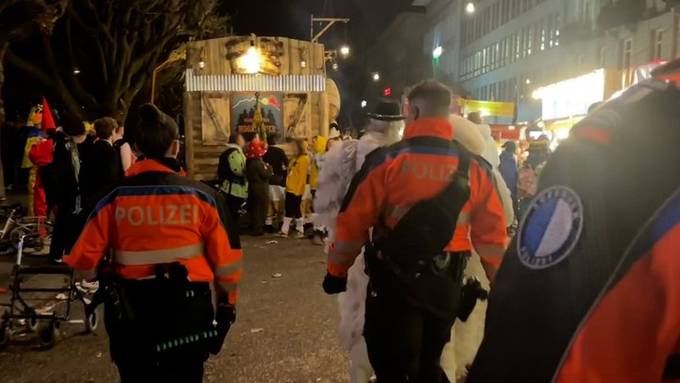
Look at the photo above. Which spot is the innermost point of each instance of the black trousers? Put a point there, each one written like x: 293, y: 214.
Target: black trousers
x: 67, y: 228
x: 185, y: 370
x: 258, y: 201
x: 162, y: 314
x: 234, y: 205
x: 404, y: 343
x: 293, y: 203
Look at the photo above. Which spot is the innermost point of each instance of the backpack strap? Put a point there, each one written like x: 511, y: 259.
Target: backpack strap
x: 464, y: 156
x: 417, y: 231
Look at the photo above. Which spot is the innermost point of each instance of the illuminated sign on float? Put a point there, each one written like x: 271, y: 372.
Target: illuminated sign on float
x: 571, y: 97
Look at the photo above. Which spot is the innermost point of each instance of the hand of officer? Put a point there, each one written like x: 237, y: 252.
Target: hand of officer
x: 334, y: 285
x: 225, y: 315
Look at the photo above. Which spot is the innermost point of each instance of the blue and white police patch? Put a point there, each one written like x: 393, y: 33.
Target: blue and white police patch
x: 551, y: 228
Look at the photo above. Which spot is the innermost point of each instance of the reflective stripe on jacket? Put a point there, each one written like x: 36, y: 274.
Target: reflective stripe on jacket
x: 393, y: 179
x: 157, y: 216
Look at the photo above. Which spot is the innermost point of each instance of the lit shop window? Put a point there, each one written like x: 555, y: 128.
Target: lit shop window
x: 658, y: 44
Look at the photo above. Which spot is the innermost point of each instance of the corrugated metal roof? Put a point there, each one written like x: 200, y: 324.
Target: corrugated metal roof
x: 254, y: 83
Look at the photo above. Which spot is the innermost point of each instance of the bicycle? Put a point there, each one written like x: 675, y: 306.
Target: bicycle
x: 36, y: 231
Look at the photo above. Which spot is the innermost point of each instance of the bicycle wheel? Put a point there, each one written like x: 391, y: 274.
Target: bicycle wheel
x: 37, y: 237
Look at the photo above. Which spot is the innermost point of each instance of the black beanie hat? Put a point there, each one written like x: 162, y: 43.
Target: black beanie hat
x: 155, y: 132
x: 72, y: 125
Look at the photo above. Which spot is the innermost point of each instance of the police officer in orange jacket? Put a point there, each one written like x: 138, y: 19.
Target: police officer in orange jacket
x: 448, y: 199
x: 163, y: 240
x: 589, y: 290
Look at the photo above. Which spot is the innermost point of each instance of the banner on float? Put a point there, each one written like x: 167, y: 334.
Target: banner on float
x: 488, y: 108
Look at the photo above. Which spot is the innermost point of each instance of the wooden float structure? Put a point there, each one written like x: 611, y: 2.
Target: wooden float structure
x: 251, y: 84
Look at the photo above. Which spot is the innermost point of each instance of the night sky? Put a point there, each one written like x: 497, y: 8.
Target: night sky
x: 286, y: 18
x: 290, y: 18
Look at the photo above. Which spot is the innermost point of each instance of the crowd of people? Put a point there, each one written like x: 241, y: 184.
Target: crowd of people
x: 272, y: 189
x: 403, y: 210
x: 66, y: 164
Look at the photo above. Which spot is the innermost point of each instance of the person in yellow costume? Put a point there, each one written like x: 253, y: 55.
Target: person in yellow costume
x: 298, y: 176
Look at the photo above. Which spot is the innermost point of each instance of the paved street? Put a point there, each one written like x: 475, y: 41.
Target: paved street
x: 285, y: 332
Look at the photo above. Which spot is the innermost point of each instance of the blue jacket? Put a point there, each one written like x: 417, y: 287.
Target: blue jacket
x: 508, y: 169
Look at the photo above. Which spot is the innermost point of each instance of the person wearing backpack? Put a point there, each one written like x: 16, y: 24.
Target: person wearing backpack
x: 231, y: 173
x: 421, y: 205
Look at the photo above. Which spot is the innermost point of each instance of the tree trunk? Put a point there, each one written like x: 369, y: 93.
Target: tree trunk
x: 3, y: 49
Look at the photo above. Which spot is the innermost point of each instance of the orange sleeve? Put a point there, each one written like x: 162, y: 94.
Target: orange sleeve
x: 487, y: 219
x: 636, y: 325
x: 94, y: 241
x: 223, y: 249
x: 355, y: 219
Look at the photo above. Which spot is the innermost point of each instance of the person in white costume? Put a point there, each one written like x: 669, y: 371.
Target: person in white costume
x: 467, y: 336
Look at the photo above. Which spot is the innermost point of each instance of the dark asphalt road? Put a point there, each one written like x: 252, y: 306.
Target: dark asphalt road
x: 285, y: 332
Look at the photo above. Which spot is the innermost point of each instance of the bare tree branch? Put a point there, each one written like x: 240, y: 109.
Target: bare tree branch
x: 29, y: 68
x: 120, y: 41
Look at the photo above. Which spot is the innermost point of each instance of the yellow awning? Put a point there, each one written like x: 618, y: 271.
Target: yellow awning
x: 489, y: 108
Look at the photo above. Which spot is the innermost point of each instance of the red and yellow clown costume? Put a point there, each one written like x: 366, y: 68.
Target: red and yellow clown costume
x: 37, y: 154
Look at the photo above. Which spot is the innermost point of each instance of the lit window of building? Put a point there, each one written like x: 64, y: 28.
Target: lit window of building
x: 543, y: 34
x: 658, y: 44
x: 627, y: 51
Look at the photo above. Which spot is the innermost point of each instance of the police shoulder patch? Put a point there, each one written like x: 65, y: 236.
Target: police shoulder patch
x: 551, y: 228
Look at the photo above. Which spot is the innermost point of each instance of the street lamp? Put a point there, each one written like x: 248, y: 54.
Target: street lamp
x: 344, y: 50
x: 76, y: 70
x: 376, y: 76
x: 335, y: 66
x: 363, y: 104
x: 251, y: 61
x: 437, y: 52
x: 470, y: 8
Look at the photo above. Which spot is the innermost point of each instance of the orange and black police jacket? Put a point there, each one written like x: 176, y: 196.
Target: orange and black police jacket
x: 158, y: 216
x: 395, y: 178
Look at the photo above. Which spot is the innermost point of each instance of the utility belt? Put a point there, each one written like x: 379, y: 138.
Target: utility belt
x: 160, y: 317
x: 430, y: 282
